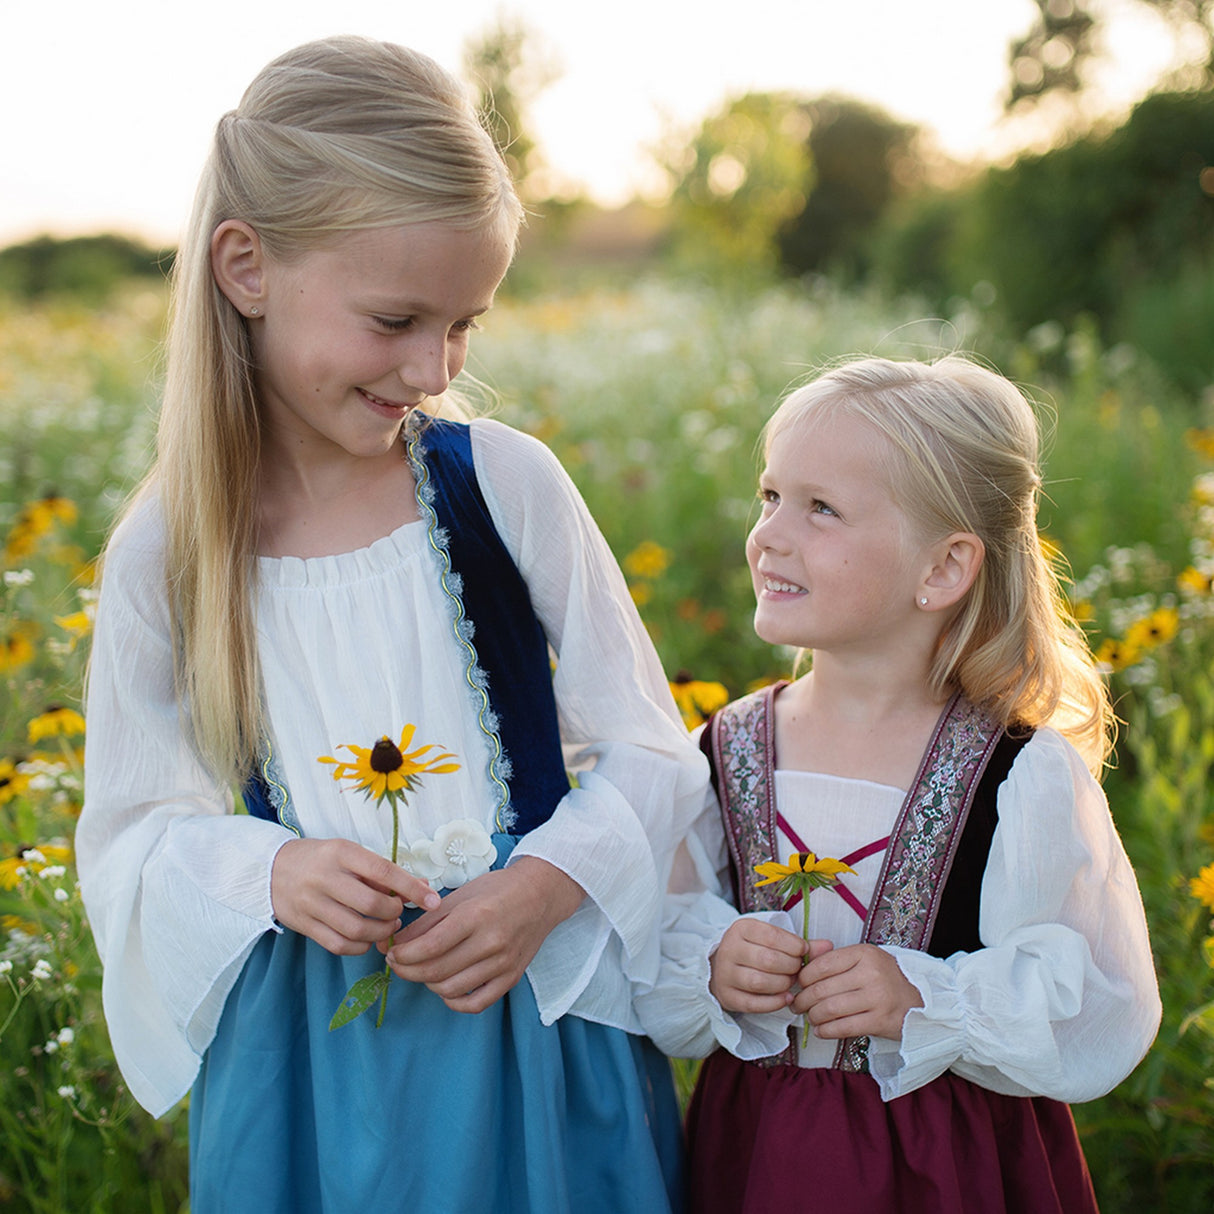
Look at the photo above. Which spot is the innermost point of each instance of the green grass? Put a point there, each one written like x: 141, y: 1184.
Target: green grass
x: 653, y: 396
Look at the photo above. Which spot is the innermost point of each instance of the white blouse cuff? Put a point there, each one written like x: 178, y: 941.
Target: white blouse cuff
x: 749, y: 1035
x: 596, y: 839
x: 933, y: 1036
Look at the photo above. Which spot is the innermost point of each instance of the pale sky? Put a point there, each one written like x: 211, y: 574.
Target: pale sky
x: 108, y: 107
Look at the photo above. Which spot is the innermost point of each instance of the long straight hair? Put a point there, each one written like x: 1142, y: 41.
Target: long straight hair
x: 336, y: 136
x: 966, y: 451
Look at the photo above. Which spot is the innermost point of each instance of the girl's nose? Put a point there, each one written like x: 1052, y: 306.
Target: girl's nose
x: 765, y: 534
x: 427, y: 369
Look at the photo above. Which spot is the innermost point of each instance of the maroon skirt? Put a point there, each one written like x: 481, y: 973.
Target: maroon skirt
x: 784, y: 1138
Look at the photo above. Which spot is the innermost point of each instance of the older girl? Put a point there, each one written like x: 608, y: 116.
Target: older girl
x: 321, y: 560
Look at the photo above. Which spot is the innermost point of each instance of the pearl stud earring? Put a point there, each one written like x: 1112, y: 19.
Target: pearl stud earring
x: 254, y: 311
x: 923, y: 602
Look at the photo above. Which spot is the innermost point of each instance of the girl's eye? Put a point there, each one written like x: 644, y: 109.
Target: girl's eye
x: 818, y: 507
x: 465, y: 326
x: 768, y: 496
x: 393, y: 324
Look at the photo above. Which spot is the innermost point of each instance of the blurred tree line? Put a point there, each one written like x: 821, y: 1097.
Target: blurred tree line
x: 1113, y: 224
x: 85, y: 266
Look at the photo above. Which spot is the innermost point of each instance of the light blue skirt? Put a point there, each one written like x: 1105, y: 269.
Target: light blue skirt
x: 435, y: 1111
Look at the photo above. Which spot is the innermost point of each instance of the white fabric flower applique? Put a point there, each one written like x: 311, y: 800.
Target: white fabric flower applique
x: 459, y: 851
x: 463, y: 850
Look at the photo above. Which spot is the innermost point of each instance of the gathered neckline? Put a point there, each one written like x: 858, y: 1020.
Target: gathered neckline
x: 384, y: 553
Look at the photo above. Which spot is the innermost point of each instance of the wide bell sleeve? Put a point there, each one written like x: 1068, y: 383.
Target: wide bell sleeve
x: 176, y: 887
x: 639, y: 778
x: 1062, y: 1001
x: 680, y: 1013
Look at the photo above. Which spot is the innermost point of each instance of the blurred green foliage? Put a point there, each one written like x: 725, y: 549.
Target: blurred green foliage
x: 85, y: 267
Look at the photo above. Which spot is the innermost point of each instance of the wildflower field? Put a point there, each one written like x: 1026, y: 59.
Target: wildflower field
x: 653, y: 396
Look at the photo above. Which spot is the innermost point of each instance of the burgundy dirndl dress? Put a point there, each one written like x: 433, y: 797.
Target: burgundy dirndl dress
x: 773, y: 1136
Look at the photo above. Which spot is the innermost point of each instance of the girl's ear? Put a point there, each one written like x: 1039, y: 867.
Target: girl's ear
x: 238, y: 264
x: 957, y: 559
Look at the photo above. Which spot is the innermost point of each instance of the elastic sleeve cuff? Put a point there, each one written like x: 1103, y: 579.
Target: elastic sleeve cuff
x: 933, y: 1036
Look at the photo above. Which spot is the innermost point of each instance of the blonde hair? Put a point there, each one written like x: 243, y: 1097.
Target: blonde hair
x: 340, y: 135
x: 965, y: 446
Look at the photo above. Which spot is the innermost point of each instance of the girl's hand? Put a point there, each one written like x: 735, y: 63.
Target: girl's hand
x: 477, y: 944
x: 340, y: 894
x: 857, y: 991
x: 755, y: 965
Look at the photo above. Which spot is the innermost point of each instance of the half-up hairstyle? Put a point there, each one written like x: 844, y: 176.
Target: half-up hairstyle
x: 965, y: 445
x: 336, y: 136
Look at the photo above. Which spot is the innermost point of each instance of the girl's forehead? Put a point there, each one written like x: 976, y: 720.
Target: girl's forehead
x: 829, y: 436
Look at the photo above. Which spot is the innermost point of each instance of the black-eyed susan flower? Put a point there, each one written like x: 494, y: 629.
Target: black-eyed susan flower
x: 13, y: 781
x: 388, y: 769
x: 35, y: 520
x: 1155, y: 629
x: 32, y: 860
x: 17, y: 647
x: 1195, y: 581
x: 56, y: 722
x: 697, y: 700
x: 385, y: 771
x: 803, y: 873
x: 1113, y: 655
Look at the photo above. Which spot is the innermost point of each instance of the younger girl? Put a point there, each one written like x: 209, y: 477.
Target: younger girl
x: 985, y: 956
x: 314, y: 564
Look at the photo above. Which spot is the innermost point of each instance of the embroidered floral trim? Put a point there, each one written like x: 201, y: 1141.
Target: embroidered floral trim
x: 743, y: 751
x: 475, y: 675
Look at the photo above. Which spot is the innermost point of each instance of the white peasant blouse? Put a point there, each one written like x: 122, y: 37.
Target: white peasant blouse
x: 353, y: 647
x: 1061, y: 1001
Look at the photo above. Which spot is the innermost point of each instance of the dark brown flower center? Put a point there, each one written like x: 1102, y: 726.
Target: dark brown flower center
x: 385, y: 756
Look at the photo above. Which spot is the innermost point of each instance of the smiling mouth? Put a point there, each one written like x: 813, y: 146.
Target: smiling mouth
x: 775, y: 586
x: 401, y: 406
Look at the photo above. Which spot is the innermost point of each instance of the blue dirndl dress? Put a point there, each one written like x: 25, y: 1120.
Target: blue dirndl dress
x: 436, y: 1110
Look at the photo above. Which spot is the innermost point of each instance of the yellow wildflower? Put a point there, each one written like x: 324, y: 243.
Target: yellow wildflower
x: 388, y: 769
x: 386, y: 772
x: 1202, y: 886
x: 56, y: 722
x: 31, y: 860
x: 1201, y: 441
x: 17, y: 647
x: 1114, y: 655
x: 35, y: 520
x: 647, y: 560
x: 697, y: 700
x: 1195, y: 581
x: 77, y: 624
x: 804, y: 863
x: 1155, y: 629
x: 641, y: 593
x: 803, y: 873
x: 15, y: 923
x: 13, y: 781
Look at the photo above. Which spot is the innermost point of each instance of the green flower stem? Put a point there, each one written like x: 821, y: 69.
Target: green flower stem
x: 383, y: 999
x: 805, y: 933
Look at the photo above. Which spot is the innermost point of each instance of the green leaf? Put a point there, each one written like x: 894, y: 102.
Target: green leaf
x: 358, y: 998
